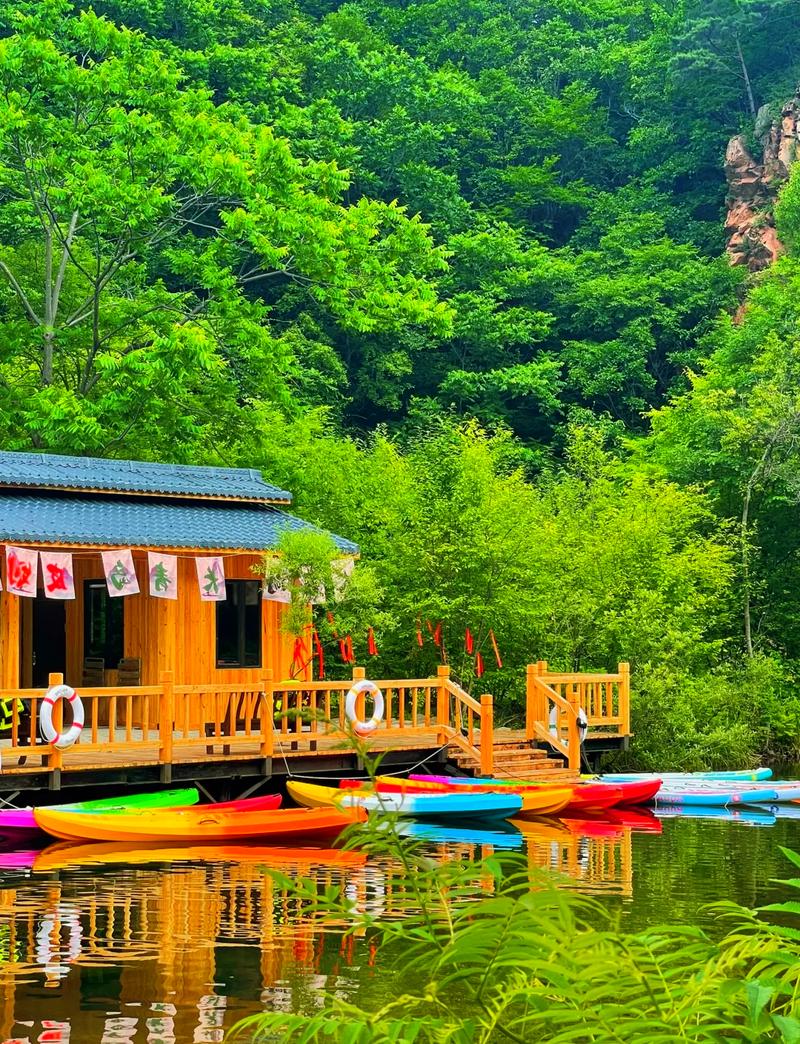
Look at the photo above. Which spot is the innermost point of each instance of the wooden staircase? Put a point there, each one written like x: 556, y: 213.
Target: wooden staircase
x: 515, y: 758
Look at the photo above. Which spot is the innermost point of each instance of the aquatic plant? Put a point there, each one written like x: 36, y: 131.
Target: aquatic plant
x: 492, y: 951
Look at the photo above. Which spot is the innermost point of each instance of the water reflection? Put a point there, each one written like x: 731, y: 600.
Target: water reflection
x: 110, y: 942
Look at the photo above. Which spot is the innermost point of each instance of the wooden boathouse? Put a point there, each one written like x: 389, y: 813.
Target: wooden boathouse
x: 192, y: 685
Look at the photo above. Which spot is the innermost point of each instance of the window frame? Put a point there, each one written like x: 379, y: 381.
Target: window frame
x: 241, y: 627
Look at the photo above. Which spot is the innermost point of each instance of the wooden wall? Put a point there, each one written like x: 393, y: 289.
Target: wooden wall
x: 165, y: 635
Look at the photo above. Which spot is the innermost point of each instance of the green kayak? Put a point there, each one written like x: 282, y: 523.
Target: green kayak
x: 21, y: 819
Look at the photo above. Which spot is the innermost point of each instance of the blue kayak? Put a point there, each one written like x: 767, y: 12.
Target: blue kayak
x: 714, y: 798
x: 743, y: 775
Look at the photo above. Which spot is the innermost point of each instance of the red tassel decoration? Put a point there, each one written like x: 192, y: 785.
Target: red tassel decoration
x: 496, y: 650
x: 320, y: 655
x: 469, y: 644
x: 371, y: 646
x: 479, y: 665
x: 420, y: 640
x: 437, y: 634
x: 343, y: 649
x: 348, y: 644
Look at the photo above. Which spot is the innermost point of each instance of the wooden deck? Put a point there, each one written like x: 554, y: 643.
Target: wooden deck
x: 173, y: 732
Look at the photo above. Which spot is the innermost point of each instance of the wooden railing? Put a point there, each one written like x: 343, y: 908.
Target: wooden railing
x: 173, y: 722
x: 554, y: 699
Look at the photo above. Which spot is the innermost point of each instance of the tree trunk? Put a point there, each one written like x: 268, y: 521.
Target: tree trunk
x: 746, y: 77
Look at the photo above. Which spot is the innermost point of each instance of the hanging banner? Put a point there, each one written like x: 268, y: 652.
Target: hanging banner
x: 372, y: 647
x: 273, y: 593
x: 57, y: 575
x: 211, y: 578
x: 120, y: 574
x: 469, y: 643
x: 21, y: 571
x: 496, y: 650
x: 162, y: 574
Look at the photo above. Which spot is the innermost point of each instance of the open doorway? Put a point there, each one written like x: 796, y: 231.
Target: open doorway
x: 48, y: 639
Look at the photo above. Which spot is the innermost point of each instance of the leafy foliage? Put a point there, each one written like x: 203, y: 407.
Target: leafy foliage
x: 488, y: 952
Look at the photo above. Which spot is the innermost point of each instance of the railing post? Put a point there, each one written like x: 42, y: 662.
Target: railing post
x: 267, y: 719
x: 55, y: 759
x: 487, y: 735
x: 531, y: 672
x: 442, y: 702
x: 573, y: 737
x: 166, y: 718
x: 624, y: 670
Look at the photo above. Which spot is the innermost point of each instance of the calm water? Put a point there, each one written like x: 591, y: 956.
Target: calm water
x: 176, y: 946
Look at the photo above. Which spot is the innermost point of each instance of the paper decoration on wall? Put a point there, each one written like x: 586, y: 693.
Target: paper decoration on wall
x: 21, y: 571
x: 57, y: 575
x: 211, y: 578
x: 162, y: 575
x: 120, y: 574
x: 273, y: 593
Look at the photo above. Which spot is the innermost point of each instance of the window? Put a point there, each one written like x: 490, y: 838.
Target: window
x: 102, y: 623
x: 239, y: 625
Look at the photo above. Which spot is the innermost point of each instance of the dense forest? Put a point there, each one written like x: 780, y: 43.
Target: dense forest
x: 455, y: 273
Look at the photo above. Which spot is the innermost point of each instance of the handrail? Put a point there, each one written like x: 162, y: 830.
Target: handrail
x: 150, y: 723
x: 604, y: 699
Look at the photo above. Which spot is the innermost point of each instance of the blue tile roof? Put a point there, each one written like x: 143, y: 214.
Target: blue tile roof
x: 76, y: 520
x: 51, y: 471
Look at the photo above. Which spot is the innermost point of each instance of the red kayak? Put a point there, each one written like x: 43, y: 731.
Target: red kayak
x: 594, y: 797
x: 637, y: 792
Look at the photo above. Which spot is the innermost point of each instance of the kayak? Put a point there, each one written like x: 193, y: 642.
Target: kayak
x: 65, y: 854
x: 541, y: 801
x: 23, y: 818
x: 585, y: 796
x: 735, y: 774
x: 211, y: 825
x: 785, y: 791
x: 711, y: 798
x: 423, y: 806
x: 255, y: 804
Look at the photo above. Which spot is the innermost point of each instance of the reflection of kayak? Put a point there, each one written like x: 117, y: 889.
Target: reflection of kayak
x: 212, y: 826
x: 18, y: 860
x: 449, y: 835
x: 780, y: 811
x: 740, y: 814
x: 586, y: 827
x: 70, y: 854
x: 423, y: 806
x: 23, y: 818
x: 638, y: 820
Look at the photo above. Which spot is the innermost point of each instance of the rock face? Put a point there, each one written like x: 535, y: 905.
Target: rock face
x: 753, y: 187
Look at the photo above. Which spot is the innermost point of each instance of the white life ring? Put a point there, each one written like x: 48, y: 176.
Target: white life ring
x: 581, y: 719
x: 61, y: 740
x: 364, y: 728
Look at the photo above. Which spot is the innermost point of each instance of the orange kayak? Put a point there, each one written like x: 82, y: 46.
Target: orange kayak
x: 213, y: 826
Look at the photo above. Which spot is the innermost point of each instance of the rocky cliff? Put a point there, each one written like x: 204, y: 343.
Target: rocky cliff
x: 753, y: 186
